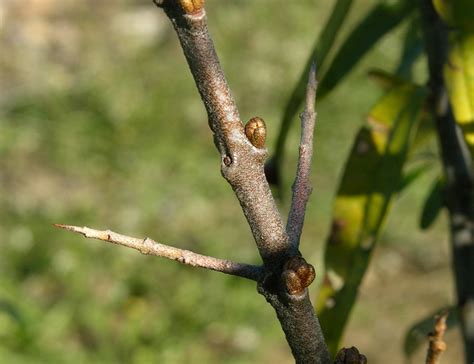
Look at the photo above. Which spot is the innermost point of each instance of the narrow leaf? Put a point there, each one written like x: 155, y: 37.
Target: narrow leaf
x: 459, y: 79
x: 456, y: 13
x: 372, y: 177
x: 381, y: 20
x: 412, y: 49
x: 412, y: 175
x: 433, y: 204
x: 387, y: 81
x: 384, y: 79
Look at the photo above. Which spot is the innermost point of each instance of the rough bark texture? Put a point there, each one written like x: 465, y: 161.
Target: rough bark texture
x: 242, y: 165
x: 459, y: 193
x: 302, y: 186
x: 298, y: 321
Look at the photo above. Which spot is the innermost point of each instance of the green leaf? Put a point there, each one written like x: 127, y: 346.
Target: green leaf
x: 456, y: 13
x: 459, y: 80
x: 380, y: 20
x: 433, y: 204
x: 384, y: 79
x: 371, y: 179
x: 387, y: 81
x: 412, y: 175
x: 426, y: 130
x: 417, y: 334
x: 319, y: 53
x: 459, y: 68
x: 412, y: 49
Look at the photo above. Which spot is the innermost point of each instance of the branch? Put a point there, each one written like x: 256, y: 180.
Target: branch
x: 302, y: 185
x: 242, y: 163
x: 437, y: 345
x: 148, y: 246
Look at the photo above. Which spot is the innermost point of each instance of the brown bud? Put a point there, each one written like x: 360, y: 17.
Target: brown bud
x: 297, y: 275
x: 256, y: 132
x: 292, y: 282
x: 350, y: 356
x: 191, y: 6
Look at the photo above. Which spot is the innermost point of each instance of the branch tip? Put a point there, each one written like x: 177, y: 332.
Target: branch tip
x: 148, y: 246
x: 73, y: 228
x: 302, y: 185
x: 437, y: 345
x: 313, y: 71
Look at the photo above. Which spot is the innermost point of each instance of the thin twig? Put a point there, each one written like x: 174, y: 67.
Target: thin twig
x: 437, y: 345
x: 321, y: 50
x: 302, y: 185
x: 148, y: 246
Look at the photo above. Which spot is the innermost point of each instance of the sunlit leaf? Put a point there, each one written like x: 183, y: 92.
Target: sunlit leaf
x: 459, y: 68
x: 456, y: 13
x: 387, y: 80
x: 372, y: 177
x: 459, y: 79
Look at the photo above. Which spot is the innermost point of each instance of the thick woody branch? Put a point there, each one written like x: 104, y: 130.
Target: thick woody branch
x: 300, y: 324
x: 241, y: 162
x: 148, y: 246
x: 437, y: 345
x: 302, y: 185
x: 242, y: 165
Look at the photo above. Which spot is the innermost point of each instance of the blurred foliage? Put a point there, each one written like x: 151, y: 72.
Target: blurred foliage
x: 101, y: 125
x: 380, y: 20
x: 373, y: 171
x: 433, y: 204
x: 371, y: 179
x: 459, y: 68
x: 319, y: 54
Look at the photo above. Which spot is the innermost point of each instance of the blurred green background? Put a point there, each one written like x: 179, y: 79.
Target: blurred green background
x: 101, y: 125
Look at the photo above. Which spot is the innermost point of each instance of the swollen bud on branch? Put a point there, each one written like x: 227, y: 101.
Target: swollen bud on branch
x: 350, y: 356
x: 297, y: 275
x: 191, y: 6
x: 256, y: 132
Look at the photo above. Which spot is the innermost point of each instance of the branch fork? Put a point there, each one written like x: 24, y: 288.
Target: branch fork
x: 243, y: 156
